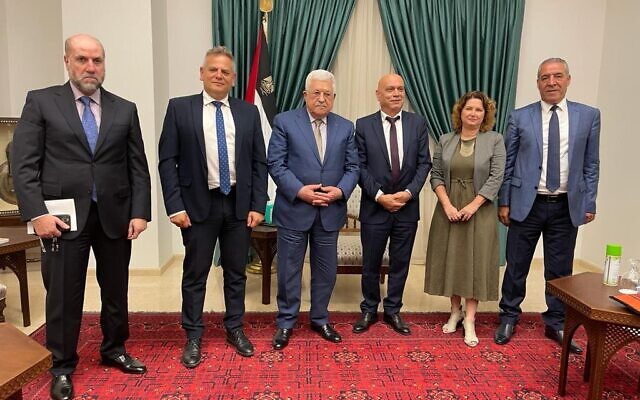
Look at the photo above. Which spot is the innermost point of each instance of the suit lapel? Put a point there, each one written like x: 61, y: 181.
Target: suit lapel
x: 304, y: 123
x: 67, y: 105
x: 238, y: 121
x: 108, y: 107
x: 378, y: 132
x: 574, y: 120
x: 536, y: 121
x: 332, y: 126
x: 196, y: 113
x: 407, y: 129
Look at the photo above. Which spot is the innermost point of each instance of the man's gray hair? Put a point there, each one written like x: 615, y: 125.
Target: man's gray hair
x: 554, y: 60
x: 320, y: 75
x: 220, y: 51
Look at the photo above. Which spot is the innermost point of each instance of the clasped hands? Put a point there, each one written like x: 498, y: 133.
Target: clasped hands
x: 393, y: 202
x: 318, y: 195
x: 462, y: 215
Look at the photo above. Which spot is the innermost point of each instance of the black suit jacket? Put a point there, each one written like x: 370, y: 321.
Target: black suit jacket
x: 51, y: 159
x: 183, y: 162
x: 375, y: 166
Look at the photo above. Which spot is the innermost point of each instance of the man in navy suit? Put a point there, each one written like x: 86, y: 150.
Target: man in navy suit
x: 394, y: 162
x: 79, y: 141
x: 313, y: 160
x: 550, y: 187
x: 214, y: 180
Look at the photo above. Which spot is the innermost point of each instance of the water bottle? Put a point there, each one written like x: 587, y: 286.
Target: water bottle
x: 612, y: 265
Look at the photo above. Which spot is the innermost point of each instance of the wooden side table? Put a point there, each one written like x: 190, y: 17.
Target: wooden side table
x: 23, y: 359
x: 608, y: 324
x: 264, y: 239
x: 12, y: 256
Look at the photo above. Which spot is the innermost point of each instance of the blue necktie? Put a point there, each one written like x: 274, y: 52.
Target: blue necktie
x: 91, y: 130
x: 553, y: 152
x: 223, y: 157
x: 89, y: 123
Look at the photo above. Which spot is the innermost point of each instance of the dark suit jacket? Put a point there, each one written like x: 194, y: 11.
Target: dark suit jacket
x: 523, y: 142
x: 375, y: 166
x: 294, y: 162
x: 52, y: 160
x: 183, y: 162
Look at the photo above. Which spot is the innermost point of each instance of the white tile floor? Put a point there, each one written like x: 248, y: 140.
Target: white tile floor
x: 162, y: 293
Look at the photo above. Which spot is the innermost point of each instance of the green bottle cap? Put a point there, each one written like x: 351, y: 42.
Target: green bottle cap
x: 614, y: 250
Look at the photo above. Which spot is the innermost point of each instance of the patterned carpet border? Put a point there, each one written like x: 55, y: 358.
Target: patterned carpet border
x: 378, y: 364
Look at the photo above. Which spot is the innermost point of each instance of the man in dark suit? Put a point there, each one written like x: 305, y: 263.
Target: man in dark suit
x: 550, y: 187
x: 214, y: 180
x: 313, y: 160
x: 394, y: 162
x: 78, y: 141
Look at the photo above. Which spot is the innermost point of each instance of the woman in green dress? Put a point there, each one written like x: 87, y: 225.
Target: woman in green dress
x: 462, y: 254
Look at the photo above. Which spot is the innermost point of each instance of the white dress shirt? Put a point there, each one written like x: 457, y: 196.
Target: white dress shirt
x: 563, y: 120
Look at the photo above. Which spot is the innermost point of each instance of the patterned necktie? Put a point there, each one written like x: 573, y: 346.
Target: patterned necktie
x: 89, y: 123
x: 393, y: 145
x: 318, y: 136
x: 91, y: 130
x: 223, y: 157
x: 553, y: 152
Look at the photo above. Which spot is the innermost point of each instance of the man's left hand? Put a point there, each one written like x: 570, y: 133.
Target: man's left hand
x: 588, y: 217
x: 136, y: 227
x: 254, y: 219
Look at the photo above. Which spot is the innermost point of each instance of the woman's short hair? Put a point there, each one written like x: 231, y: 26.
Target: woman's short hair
x: 489, y: 111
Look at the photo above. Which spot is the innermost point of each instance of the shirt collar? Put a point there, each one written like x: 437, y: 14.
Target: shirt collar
x: 546, y: 107
x: 384, y: 115
x: 77, y: 94
x: 206, y: 99
x: 311, y: 118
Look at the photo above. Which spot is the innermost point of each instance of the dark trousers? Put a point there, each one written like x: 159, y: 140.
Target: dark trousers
x: 64, y: 273
x: 551, y: 219
x: 292, y: 246
x: 374, y: 237
x: 199, y: 241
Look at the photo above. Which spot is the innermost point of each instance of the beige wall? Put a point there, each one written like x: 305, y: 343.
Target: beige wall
x: 618, y: 220
x: 154, y: 49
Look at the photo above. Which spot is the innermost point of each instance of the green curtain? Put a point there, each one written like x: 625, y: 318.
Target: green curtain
x: 444, y: 48
x: 303, y: 36
x: 235, y: 25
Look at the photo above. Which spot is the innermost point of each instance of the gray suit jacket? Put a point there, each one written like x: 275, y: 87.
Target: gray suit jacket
x: 489, y: 159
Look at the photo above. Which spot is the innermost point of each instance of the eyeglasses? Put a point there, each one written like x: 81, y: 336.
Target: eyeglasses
x: 317, y: 93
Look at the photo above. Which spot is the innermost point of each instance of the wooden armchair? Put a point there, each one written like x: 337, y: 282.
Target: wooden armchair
x: 349, y: 244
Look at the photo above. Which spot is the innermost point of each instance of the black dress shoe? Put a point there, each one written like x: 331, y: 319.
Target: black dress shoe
x: 366, y: 320
x: 125, y: 363
x: 192, y: 353
x: 396, y: 322
x: 61, y: 387
x: 503, y: 333
x: 558, y: 336
x: 237, y: 339
x: 281, y: 338
x: 327, y: 332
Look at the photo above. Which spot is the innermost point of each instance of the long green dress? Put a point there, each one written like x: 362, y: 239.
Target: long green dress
x: 462, y: 257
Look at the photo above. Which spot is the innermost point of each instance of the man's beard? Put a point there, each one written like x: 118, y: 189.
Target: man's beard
x: 88, y: 87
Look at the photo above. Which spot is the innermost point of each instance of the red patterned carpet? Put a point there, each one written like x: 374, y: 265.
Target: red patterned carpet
x: 378, y: 364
